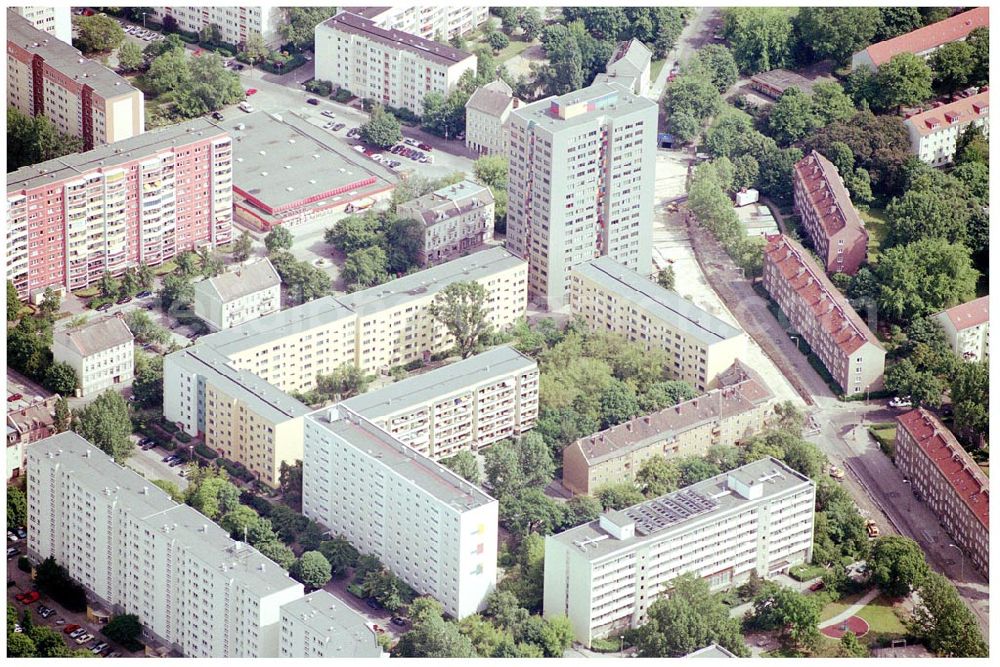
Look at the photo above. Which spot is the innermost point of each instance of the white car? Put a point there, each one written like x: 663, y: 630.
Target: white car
x: 901, y: 402
x: 246, y: 106
x: 377, y: 157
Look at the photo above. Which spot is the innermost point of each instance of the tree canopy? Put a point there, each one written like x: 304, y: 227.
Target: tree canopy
x: 105, y: 423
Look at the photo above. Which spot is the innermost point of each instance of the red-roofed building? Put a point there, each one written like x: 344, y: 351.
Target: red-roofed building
x: 829, y: 217
x: 822, y: 316
x: 947, y: 479
x: 934, y: 133
x: 924, y: 41
x: 967, y: 328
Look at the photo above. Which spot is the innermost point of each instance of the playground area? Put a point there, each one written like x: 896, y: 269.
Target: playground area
x: 855, y: 624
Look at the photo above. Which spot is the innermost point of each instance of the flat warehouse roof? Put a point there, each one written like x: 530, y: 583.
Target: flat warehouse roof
x: 440, y: 383
x: 284, y: 160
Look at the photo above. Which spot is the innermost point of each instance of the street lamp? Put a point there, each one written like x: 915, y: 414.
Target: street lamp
x: 621, y: 648
x: 796, y: 339
x: 144, y: 20
x: 961, y: 555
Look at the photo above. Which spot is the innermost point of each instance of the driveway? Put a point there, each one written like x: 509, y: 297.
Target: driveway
x: 150, y: 465
x: 381, y: 617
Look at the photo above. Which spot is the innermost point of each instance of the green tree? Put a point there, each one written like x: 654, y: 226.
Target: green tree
x: 971, y: 399
x: 794, y: 614
x: 312, y: 569
x: 979, y: 40
x: 242, y: 247
x: 502, y: 465
x: 354, y: 232
x: 62, y: 420
x: 760, y: 37
x: 831, y: 103
x: 943, y: 622
x: 19, y: 645
x: 344, y: 382
x: 924, y: 277
x: 123, y: 629
x: 300, y: 25
x: 13, y: 302
x: 793, y: 117
x: 491, y: 170
x: 850, y: 647
x: 147, y: 386
x: 187, y: 262
x: 582, y: 509
x: 31, y: 140
x: 365, y: 268
x: 531, y: 24
x: 171, y: 489
x: 277, y: 552
x: 688, y: 618
x: 107, y: 286
x: 972, y: 147
x: 618, y: 404
x: 535, y: 459
x: 238, y: 521
x: 619, y: 495
x: 837, y: 32
x: 405, y: 241
x: 278, y: 238
x: 897, y: 564
x: 530, y: 510
x: 106, y: 424
x: 341, y: 554
x: 434, y: 637
x: 498, y: 42
x: 717, y: 63
x: 898, y: 21
x: 464, y: 465
x: 382, y: 129
x: 168, y: 72
x: 657, y: 476
x: 904, y: 81
x: 17, y: 507
x: 953, y: 65
x: 97, y: 34
x: 60, y: 378
x: 665, y: 278
x: 144, y: 329
x: 130, y: 57
x: 462, y: 309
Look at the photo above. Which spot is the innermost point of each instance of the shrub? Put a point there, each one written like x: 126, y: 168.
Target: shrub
x: 205, y: 451
x: 605, y: 645
x: 320, y: 87
x: 23, y: 564
x: 356, y: 591
x: 184, y: 437
x: 342, y: 95
x: 169, y: 426
x: 260, y: 505
x: 803, y: 572
x: 414, y: 365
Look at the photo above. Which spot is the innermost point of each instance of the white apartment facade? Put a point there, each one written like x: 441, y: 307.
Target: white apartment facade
x: 427, y: 21
x: 101, y: 352
x: 486, y: 114
x: 629, y: 65
x: 967, y: 328
x: 434, y: 530
x: 321, y: 626
x: 56, y: 21
x: 934, y: 133
x: 193, y: 588
x: 239, y: 296
x: 464, y: 406
x: 612, y: 298
x: 235, y: 23
x: 605, y: 574
x: 456, y: 218
x: 46, y: 76
x: 392, y: 67
x: 581, y: 185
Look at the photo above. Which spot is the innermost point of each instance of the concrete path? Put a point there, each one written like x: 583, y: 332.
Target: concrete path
x: 852, y: 610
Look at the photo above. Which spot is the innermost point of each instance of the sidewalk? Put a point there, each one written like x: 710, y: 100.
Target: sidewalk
x: 852, y: 610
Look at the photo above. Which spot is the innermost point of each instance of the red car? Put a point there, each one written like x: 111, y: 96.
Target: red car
x: 251, y: 91
x: 425, y: 147
x: 27, y: 598
x: 70, y: 628
x: 14, y: 397
x: 818, y: 586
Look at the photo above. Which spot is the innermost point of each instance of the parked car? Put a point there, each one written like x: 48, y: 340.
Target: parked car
x: 373, y: 603
x: 901, y: 402
x: 872, y: 529
x: 337, y: 127
x: 105, y: 306
x: 359, y: 148
x: 21, y: 532
x: 328, y: 113
x: 410, y: 142
x: 836, y: 473
x: 251, y: 91
x: 246, y: 106
x: 18, y: 628
x: 313, y: 101
x: 84, y: 638
x: 123, y: 299
x: 175, y: 463
x: 168, y: 458
x: 218, y: 116
x: 98, y: 648
x: 15, y: 397
x: 72, y: 627
x: 145, y: 294
x: 396, y: 620
x: 47, y: 613
x: 12, y: 551
x: 425, y: 147
x: 77, y: 632
x: 30, y: 597
x: 817, y: 586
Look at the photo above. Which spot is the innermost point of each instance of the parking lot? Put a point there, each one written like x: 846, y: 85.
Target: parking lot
x: 150, y: 464
x: 20, y: 582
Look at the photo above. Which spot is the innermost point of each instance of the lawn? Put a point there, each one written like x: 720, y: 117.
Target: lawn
x: 841, y: 605
x: 885, y: 435
x: 878, y: 614
x: 165, y: 268
x: 654, y: 69
x: 516, y: 47
x: 875, y: 223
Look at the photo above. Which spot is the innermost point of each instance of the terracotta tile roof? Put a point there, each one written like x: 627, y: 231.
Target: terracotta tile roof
x: 969, y: 314
x: 832, y: 311
x: 941, y: 447
x: 960, y: 111
x: 745, y: 391
x: 923, y: 39
x: 827, y: 195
